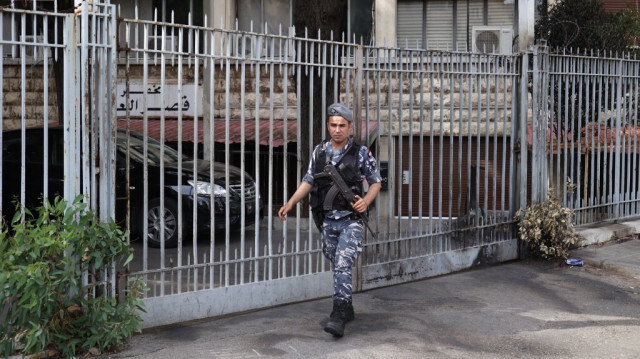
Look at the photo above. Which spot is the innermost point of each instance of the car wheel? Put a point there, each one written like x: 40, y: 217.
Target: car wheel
x: 154, y: 223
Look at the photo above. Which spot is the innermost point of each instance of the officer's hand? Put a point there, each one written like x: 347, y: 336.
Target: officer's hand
x: 282, y: 213
x: 360, y: 205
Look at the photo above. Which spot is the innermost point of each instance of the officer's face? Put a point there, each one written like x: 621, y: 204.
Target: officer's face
x: 338, y: 130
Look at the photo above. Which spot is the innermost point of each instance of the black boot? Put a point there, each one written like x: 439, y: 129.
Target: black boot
x: 335, y: 326
x: 350, y: 314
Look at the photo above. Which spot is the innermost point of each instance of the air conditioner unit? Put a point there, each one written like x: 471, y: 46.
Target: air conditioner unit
x: 492, y: 39
x: 170, y: 44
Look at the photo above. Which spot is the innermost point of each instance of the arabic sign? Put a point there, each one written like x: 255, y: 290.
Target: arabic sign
x: 155, y: 94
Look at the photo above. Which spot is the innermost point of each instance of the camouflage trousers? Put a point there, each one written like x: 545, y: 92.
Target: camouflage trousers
x: 341, y: 244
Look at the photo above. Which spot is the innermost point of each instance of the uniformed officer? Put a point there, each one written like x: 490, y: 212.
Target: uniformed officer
x: 342, y: 229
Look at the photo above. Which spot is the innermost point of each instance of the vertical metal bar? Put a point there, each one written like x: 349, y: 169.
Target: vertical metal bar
x: 378, y: 73
x: 458, y: 179
x: 618, y: 145
x: 285, y: 139
x: 92, y: 132
x: 227, y: 118
x: 481, y: 60
x: 440, y: 71
x: 514, y: 171
x: 523, y: 128
x: 298, y: 72
x: 398, y: 70
x: 421, y: 169
x: 562, y: 190
x: 635, y: 88
x: 605, y: 166
x: 162, y: 233
x: 431, y: 140
x: 256, y: 50
x: 583, y: 123
x: 243, y: 63
x: 551, y: 128
x: 310, y: 70
x: 496, y: 118
x: 537, y: 132
x: 23, y: 115
x: 70, y: 107
x: 180, y: 206
x: 145, y: 175
x: 599, y: 129
x: 573, y: 132
x: 473, y: 78
x: 410, y: 69
x: 196, y: 141
x: 390, y: 143
x: 45, y: 124
x: 451, y: 79
x: 626, y: 139
x: 270, y: 160
x: 546, y: 114
x: 212, y: 210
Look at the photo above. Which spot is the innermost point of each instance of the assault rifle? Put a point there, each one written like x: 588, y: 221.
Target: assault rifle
x: 339, y: 186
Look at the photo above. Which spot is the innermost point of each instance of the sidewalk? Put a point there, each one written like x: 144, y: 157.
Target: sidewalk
x: 521, y: 309
x: 613, y: 247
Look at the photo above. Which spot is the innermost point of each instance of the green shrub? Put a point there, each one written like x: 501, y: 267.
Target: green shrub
x: 45, y: 304
x: 547, y: 228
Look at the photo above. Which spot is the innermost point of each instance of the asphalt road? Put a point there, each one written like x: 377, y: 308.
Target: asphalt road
x: 523, y: 309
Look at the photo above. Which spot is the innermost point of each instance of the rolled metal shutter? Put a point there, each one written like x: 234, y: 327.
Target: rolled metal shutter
x: 409, y: 24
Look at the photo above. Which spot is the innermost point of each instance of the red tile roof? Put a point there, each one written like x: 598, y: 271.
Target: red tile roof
x: 219, y: 134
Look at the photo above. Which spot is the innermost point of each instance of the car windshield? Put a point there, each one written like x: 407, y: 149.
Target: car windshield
x: 154, y: 149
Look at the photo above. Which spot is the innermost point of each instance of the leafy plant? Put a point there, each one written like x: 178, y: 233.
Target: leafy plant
x: 547, y: 228
x: 55, y: 293
x: 585, y: 25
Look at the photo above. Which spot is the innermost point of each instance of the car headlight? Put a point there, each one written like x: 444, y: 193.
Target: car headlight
x: 205, y: 188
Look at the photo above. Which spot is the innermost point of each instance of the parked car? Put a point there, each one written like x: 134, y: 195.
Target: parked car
x: 199, y: 189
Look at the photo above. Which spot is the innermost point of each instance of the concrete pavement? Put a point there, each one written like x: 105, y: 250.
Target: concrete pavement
x: 522, y: 309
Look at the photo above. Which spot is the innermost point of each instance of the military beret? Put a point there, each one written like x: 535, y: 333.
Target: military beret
x: 339, y: 109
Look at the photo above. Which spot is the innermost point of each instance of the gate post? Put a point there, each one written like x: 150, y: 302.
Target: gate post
x: 539, y: 127
x: 519, y: 150
x: 71, y: 111
x: 519, y: 146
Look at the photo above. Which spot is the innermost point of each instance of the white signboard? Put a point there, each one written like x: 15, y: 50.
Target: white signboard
x: 154, y: 93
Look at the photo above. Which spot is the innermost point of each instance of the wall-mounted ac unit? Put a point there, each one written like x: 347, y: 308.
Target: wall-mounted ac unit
x: 492, y: 39
x: 170, y: 44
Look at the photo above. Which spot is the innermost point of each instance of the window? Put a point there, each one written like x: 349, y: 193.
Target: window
x: 274, y: 13
x: 176, y: 11
x: 448, y: 24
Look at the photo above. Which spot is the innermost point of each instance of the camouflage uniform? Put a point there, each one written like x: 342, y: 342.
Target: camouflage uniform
x: 342, y: 231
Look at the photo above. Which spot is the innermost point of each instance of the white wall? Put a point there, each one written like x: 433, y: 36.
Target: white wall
x: 385, y: 22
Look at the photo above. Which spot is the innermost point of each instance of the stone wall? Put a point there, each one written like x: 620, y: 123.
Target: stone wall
x: 34, y: 101
x: 461, y: 105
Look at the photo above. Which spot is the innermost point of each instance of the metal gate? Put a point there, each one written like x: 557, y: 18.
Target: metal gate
x: 58, y: 142
x: 586, y: 133
x: 192, y: 137
x: 453, y: 155
x: 233, y: 98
